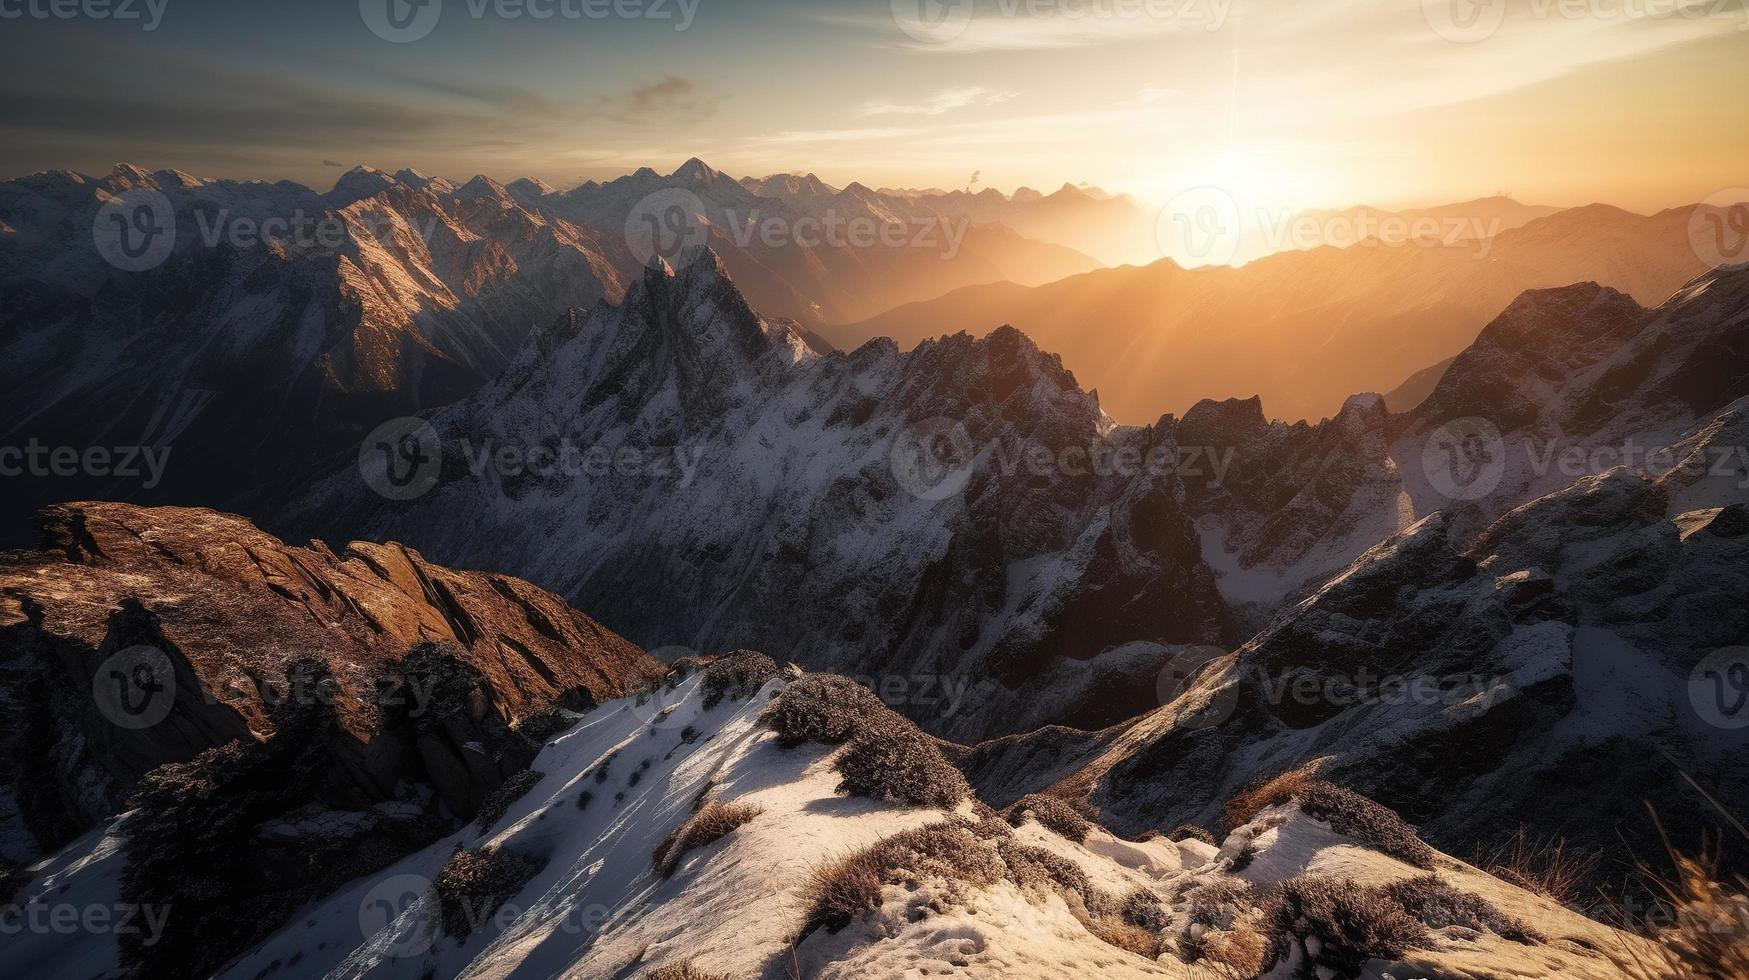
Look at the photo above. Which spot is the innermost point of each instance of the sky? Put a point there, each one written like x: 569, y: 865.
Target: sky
x: 1293, y: 103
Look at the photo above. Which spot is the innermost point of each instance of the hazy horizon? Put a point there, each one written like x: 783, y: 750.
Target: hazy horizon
x: 1390, y: 105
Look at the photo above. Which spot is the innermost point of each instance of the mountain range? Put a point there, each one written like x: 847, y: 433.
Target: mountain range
x: 1303, y: 327
x: 672, y: 629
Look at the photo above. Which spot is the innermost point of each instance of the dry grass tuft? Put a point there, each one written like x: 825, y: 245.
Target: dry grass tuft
x: 1545, y: 866
x: 1708, y: 938
x: 710, y: 824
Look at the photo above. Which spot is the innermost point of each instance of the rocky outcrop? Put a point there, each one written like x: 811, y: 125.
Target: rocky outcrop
x: 135, y: 637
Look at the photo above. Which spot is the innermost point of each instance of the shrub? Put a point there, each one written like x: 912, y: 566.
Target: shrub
x: 840, y: 891
x: 1338, y: 925
x: 1043, y: 872
x: 946, y: 852
x: 583, y: 799
x: 1543, y: 866
x: 1437, y: 904
x: 901, y: 764
x: 991, y: 827
x: 1347, y: 812
x: 736, y: 675
x: 499, y: 800
x: 473, y: 884
x: 683, y: 971
x: 1143, y: 908
x: 1125, y: 936
x: 822, y: 708
x: 709, y: 825
x: 1191, y: 831
x: 1053, y: 813
x: 1236, y: 953
x: 1217, y: 903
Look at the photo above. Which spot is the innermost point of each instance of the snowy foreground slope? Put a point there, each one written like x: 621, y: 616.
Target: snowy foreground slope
x: 1021, y: 901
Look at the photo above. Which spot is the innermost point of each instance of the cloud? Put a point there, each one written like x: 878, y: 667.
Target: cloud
x: 333, y: 163
x: 939, y: 103
x: 671, y: 100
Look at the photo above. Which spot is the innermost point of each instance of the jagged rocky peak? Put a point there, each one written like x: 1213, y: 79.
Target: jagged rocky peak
x: 1227, y: 422
x: 359, y: 183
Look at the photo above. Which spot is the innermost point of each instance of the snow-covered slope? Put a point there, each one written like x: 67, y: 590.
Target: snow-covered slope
x: 782, y: 500
x: 974, y: 895
x: 1051, y: 564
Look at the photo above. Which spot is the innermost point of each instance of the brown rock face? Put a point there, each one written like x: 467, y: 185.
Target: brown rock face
x: 137, y: 636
